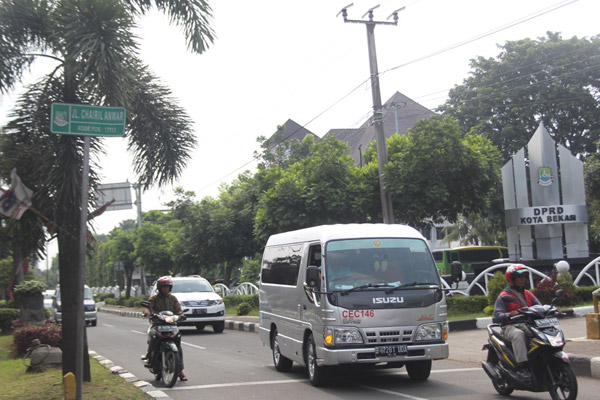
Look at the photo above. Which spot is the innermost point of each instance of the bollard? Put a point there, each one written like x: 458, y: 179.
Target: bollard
x: 69, y: 385
x: 591, y: 320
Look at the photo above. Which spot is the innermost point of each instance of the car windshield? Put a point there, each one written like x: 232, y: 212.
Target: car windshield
x: 378, y: 263
x: 191, y: 285
x: 87, y: 293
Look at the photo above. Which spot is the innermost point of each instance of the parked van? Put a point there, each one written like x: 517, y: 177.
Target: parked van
x: 360, y: 294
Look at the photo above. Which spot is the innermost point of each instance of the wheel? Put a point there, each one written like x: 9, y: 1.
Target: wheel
x: 566, y: 382
x: 171, y: 366
x: 200, y: 327
x: 282, y: 364
x: 218, y: 327
x: 418, y: 370
x: 94, y: 322
x: 502, y: 387
x: 316, y: 374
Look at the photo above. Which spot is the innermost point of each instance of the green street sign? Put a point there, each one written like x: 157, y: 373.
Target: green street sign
x: 85, y: 120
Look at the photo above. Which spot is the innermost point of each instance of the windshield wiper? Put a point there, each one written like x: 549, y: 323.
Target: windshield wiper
x: 367, y: 286
x: 411, y: 284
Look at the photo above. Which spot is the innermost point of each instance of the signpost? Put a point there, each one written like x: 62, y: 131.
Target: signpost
x: 86, y: 120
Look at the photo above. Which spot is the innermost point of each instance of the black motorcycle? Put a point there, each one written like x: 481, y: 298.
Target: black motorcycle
x: 550, y: 367
x: 165, y: 359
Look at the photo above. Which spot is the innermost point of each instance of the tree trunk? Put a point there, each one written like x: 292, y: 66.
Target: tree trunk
x: 128, y: 279
x: 17, y: 263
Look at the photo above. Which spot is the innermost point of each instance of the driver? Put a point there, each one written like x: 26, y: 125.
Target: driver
x: 164, y: 301
x: 335, y: 269
x: 516, y: 276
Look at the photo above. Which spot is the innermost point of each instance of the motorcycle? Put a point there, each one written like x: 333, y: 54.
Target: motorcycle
x: 550, y: 367
x: 165, y: 362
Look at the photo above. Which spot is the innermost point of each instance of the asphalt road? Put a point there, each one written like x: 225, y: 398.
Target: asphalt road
x: 235, y: 365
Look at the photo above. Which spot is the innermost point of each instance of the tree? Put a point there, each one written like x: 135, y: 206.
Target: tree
x: 95, y: 50
x: 435, y: 172
x: 547, y: 80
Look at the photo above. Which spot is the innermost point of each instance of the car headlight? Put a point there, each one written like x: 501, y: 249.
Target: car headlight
x: 219, y: 301
x: 429, y: 332
x: 335, y: 336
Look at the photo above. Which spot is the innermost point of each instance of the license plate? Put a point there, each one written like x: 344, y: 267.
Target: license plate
x: 199, y: 311
x: 543, y: 323
x: 391, y: 351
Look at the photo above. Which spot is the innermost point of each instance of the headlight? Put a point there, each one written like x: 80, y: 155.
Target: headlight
x: 429, y: 332
x: 556, y: 341
x: 335, y: 336
x: 219, y: 301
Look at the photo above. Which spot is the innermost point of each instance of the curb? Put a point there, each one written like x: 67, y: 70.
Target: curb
x: 242, y: 326
x: 129, y: 377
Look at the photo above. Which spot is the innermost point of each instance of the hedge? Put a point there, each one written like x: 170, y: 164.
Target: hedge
x: 49, y: 333
x: 7, y: 316
x: 466, y: 304
x: 233, y: 300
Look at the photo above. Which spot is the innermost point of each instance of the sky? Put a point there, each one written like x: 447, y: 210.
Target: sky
x: 276, y: 60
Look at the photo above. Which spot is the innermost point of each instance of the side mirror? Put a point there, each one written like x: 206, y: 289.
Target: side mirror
x: 144, y: 303
x: 313, y: 277
x: 457, y: 272
x: 508, y: 299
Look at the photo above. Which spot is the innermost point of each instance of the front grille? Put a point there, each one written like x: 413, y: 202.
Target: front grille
x: 199, y: 303
x: 89, y: 308
x: 386, y: 336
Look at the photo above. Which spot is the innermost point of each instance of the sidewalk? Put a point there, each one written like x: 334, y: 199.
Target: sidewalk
x: 466, y: 337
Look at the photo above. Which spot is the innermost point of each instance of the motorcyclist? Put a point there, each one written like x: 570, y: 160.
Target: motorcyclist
x: 516, y: 276
x: 164, y: 301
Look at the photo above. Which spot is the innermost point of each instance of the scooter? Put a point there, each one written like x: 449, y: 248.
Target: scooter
x: 165, y: 357
x: 550, y: 367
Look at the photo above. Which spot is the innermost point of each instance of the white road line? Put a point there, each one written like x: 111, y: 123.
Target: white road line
x: 285, y: 381
x: 139, y: 333
x: 194, y: 346
x: 109, y: 325
x: 235, y: 384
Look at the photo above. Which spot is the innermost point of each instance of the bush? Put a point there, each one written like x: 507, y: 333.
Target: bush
x: 495, y: 286
x: 111, y: 301
x: 7, y: 316
x: 583, y: 294
x: 49, y: 333
x: 104, y: 296
x: 546, y: 289
x: 29, y: 288
x: 234, y: 300
x: 466, y: 304
x: 243, y: 308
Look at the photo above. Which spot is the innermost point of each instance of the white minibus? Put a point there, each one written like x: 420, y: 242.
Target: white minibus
x: 359, y: 294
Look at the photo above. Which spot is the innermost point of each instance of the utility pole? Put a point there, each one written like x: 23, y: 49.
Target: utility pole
x: 138, y: 203
x: 386, y: 200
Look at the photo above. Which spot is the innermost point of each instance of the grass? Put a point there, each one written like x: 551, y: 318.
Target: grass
x: 16, y: 383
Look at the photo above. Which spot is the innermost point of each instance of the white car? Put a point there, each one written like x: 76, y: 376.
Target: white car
x: 201, y: 305
x: 89, y: 306
x: 48, y: 297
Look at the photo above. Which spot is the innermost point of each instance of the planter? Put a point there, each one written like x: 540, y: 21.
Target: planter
x: 32, y: 308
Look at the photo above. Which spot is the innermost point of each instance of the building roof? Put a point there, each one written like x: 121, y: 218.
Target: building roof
x: 400, y: 113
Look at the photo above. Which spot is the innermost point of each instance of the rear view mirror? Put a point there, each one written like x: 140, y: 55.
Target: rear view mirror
x: 457, y: 272
x: 144, y: 303
x: 313, y: 277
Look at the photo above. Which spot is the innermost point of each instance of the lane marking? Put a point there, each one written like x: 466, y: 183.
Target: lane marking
x: 138, y: 332
x: 286, y: 381
x: 109, y: 325
x: 236, y: 384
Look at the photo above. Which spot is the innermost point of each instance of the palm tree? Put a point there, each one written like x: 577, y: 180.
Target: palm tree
x: 96, y: 62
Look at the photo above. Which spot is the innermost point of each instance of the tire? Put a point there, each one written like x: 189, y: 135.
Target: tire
x: 94, y: 322
x: 316, y: 374
x: 281, y: 363
x: 502, y: 387
x: 418, y: 370
x: 200, y: 327
x: 218, y: 327
x: 170, y: 367
x: 566, y: 381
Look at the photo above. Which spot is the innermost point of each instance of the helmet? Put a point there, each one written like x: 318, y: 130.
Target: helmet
x: 516, y: 270
x: 164, y: 281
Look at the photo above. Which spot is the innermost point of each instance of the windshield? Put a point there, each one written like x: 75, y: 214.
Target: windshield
x: 191, y: 285
x: 378, y: 263
x: 87, y: 293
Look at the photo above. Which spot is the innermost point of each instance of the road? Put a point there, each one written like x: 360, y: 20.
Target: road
x: 235, y: 365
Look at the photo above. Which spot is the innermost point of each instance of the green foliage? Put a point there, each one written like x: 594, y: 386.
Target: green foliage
x: 251, y: 268
x: 104, y: 296
x: 495, y: 286
x: 243, y: 308
x: 7, y: 316
x: 546, y: 289
x: 584, y: 293
x: 49, y: 333
x: 466, y: 304
x: 233, y: 300
x: 29, y: 288
x: 7, y: 304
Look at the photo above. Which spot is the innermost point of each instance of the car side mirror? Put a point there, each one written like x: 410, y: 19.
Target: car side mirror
x: 456, y: 272
x: 313, y: 277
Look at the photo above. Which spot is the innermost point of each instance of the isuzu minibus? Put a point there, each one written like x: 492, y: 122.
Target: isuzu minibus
x: 359, y: 294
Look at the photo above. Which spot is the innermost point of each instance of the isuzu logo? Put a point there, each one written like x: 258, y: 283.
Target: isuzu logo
x: 388, y: 300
